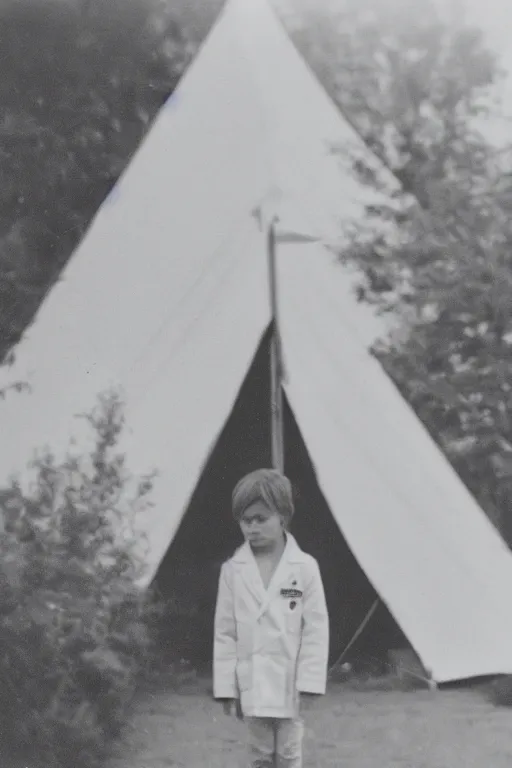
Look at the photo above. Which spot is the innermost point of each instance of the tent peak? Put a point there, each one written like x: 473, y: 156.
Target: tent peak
x: 250, y: 12
x: 248, y: 6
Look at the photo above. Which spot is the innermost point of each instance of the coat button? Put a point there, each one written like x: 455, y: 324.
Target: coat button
x: 293, y: 605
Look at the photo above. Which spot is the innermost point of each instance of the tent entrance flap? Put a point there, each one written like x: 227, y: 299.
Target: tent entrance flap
x: 208, y: 535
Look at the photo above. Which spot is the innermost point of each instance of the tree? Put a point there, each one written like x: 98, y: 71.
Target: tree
x: 417, y: 85
x: 77, y: 635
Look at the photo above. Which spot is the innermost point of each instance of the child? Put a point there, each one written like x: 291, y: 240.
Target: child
x: 271, y: 624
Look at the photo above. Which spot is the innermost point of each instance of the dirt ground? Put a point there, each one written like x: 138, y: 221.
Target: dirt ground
x: 348, y: 729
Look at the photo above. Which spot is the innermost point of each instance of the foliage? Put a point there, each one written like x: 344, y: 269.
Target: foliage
x: 419, y: 86
x: 76, y: 632
x: 81, y: 82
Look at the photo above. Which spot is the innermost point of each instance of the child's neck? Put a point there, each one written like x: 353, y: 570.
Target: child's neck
x: 268, y: 558
x: 273, y: 551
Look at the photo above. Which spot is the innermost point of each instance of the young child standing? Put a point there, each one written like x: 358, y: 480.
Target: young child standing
x: 271, y: 637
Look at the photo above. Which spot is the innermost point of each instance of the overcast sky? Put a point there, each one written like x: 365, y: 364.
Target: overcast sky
x: 494, y: 17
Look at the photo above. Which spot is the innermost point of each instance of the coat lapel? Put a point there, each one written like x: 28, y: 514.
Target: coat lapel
x: 291, y: 555
x: 249, y: 573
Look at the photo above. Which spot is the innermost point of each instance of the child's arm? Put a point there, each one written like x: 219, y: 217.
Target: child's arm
x: 314, y: 651
x: 224, y: 646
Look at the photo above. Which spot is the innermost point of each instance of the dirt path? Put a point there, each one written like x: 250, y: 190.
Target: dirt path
x: 347, y: 730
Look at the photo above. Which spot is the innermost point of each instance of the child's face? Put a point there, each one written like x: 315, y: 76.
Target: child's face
x: 261, y: 527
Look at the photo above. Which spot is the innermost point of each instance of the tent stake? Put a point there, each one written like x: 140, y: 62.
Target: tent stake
x: 276, y: 360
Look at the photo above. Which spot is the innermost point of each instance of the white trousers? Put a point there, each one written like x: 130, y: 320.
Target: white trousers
x: 275, y: 742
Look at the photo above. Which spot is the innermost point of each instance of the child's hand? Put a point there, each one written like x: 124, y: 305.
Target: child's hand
x: 308, y: 701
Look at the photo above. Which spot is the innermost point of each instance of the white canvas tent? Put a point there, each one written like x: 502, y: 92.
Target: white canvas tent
x: 167, y: 296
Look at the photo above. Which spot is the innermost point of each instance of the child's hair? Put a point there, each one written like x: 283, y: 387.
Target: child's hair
x: 268, y: 486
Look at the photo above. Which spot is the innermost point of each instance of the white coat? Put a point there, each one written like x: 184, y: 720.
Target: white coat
x: 270, y: 644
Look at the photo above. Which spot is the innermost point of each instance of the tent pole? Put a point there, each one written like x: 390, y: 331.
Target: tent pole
x: 276, y: 360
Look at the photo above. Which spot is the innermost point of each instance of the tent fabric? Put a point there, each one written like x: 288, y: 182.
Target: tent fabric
x: 178, y: 386
x: 166, y: 294
x: 167, y: 298
x: 429, y: 551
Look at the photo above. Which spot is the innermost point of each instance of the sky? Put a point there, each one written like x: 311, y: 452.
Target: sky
x: 494, y: 17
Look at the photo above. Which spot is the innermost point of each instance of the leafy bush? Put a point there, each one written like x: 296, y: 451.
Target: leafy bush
x: 76, y: 632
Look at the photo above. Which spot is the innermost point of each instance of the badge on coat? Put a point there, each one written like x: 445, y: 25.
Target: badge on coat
x: 291, y: 593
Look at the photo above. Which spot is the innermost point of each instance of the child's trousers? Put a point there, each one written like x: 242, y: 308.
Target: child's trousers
x: 275, y: 743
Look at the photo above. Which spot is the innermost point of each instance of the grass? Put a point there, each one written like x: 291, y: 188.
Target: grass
x: 349, y: 729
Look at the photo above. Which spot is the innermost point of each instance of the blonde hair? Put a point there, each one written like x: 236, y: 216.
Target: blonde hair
x: 268, y: 486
